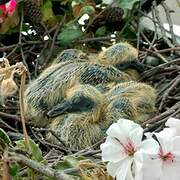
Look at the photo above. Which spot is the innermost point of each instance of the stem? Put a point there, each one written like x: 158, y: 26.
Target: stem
x: 21, y: 101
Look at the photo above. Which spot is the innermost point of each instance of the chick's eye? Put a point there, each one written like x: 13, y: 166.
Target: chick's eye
x: 89, y: 105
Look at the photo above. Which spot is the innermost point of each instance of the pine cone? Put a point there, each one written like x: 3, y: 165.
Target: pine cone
x: 32, y: 12
x: 110, y: 17
x: 3, y: 1
x: 114, y: 14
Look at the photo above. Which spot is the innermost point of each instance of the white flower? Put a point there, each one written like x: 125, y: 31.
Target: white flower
x: 123, y: 150
x: 174, y: 123
x: 166, y: 165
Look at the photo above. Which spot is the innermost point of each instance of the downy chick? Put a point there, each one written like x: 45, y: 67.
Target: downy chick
x: 131, y: 100
x: 50, y: 87
x: 124, y: 57
x: 76, y: 120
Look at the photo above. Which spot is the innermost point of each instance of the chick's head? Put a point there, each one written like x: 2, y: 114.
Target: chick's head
x: 123, y: 56
x: 80, y: 99
x: 139, y: 95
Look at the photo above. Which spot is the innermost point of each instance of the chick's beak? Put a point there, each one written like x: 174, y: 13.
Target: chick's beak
x: 59, y: 109
x: 135, y: 64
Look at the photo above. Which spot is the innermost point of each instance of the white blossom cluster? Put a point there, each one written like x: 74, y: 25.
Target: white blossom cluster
x: 131, y: 158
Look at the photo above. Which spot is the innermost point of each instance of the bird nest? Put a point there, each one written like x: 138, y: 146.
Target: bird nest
x: 24, y: 149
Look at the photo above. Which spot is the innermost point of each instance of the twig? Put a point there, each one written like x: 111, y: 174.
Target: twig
x: 155, y: 34
x: 20, y: 44
x: 5, y: 172
x: 163, y: 115
x: 156, y: 53
x: 50, y: 131
x: 45, y: 143
x: 59, y: 26
x: 9, y: 116
x: 168, y: 49
x: 104, y: 38
x: 168, y: 91
x: 161, y: 25
x: 154, y: 70
x: 21, y: 102
x: 169, y: 20
x: 39, y: 167
x: 8, y: 126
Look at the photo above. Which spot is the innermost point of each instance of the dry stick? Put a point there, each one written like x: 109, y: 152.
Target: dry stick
x: 104, y: 38
x: 59, y: 26
x: 161, y: 25
x: 5, y: 172
x: 45, y: 143
x: 157, y: 68
x: 21, y: 101
x: 20, y: 44
x: 168, y: 91
x: 7, y: 125
x: 4, y: 48
x: 147, y: 40
x: 169, y: 20
x: 152, y: 19
x: 163, y: 115
x: 161, y: 121
x: 50, y: 131
x: 155, y: 50
x: 9, y: 116
x: 155, y: 34
x: 168, y: 49
x: 38, y: 167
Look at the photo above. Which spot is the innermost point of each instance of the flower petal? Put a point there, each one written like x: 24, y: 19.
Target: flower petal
x: 174, y: 123
x: 119, y: 169
x: 136, y: 136
x: 152, y: 168
x: 122, y: 129
x: 165, y: 143
x: 150, y: 146
x: 167, y: 133
x: 138, y: 164
x: 171, y: 171
x: 176, y: 147
x: 112, y: 150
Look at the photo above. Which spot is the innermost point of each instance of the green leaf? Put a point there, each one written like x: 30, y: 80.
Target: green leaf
x: 14, y: 169
x: 48, y: 14
x: 69, y: 162
x: 69, y: 34
x: 101, y: 31
x: 4, y: 137
x: 73, y: 161
x: 35, y: 150
x: 87, y: 10
x: 127, y: 4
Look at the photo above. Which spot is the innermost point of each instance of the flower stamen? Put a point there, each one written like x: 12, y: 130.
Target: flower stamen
x: 129, y: 148
x: 168, y: 157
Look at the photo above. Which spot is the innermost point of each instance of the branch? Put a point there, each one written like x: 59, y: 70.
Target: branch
x: 41, y: 168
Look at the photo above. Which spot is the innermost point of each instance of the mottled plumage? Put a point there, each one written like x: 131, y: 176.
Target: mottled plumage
x: 76, y: 120
x: 138, y: 101
x: 51, y: 86
x: 70, y: 55
x: 79, y: 99
x: 124, y: 57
